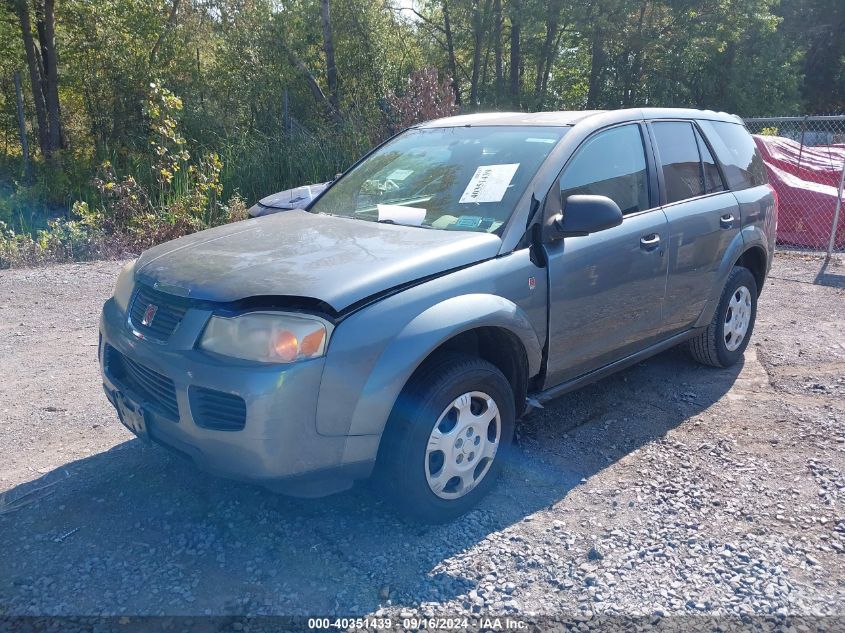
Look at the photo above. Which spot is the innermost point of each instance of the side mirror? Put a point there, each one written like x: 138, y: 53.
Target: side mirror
x: 583, y: 215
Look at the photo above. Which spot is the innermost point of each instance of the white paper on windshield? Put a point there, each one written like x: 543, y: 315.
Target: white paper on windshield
x: 489, y: 183
x: 399, y: 174
x: 411, y: 216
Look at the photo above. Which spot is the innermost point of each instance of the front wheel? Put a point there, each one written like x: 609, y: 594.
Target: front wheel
x: 447, y: 438
x: 723, y: 342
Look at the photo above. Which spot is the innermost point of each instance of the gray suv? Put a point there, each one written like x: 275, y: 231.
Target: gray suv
x: 463, y: 271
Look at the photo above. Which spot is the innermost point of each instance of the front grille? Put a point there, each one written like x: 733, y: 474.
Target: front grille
x: 217, y: 410
x: 158, y: 391
x: 169, y: 312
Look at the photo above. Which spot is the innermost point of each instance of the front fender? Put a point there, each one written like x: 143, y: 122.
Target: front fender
x: 413, y: 344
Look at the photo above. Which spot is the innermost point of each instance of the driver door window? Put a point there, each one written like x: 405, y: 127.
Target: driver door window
x: 611, y: 163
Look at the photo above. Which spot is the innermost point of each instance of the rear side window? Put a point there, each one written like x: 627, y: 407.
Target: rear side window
x: 712, y: 177
x: 612, y: 164
x: 682, y: 172
x: 737, y: 152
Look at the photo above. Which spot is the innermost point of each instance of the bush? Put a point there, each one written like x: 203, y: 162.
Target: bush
x: 130, y: 217
x: 426, y: 97
x: 62, y: 241
x: 94, y: 234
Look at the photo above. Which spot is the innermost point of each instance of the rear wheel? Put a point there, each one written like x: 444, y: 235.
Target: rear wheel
x: 447, y: 438
x: 723, y: 342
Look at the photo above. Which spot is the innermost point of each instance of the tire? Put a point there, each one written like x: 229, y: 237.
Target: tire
x: 718, y: 344
x: 409, y: 467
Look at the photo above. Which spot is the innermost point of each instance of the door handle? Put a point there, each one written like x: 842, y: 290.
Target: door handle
x: 650, y: 242
x: 727, y: 221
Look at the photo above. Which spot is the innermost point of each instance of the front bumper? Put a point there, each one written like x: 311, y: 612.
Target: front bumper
x: 278, y: 446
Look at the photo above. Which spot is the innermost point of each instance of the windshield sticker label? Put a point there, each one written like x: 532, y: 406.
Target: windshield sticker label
x: 399, y: 174
x: 398, y: 214
x: 532, y: 139
x: 469, y: 221
x: 489, y: 183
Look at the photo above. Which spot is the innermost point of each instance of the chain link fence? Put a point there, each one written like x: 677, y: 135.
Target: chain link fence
x: 805, y: 159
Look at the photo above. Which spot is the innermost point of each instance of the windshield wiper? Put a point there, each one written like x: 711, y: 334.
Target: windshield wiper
x: 418, y: 226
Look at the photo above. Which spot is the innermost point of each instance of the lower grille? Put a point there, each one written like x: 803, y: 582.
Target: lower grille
x: 217, y: 410
x: 158, y: 391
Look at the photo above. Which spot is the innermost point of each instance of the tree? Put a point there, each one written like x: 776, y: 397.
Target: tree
x: 171, y: 22
x: 46, y: 25
x: 515, y: 85
x: 546, y: 56
x: 450, y: 48
x: 497, y: 47
x: 249, y: 73
x: 328, y: 47
x: 477, y: 39
x: 43, y: 66
x: 818, y: 25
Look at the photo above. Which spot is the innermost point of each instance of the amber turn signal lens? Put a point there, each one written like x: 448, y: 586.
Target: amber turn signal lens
x: 286, y: 346
x: 312, y: 343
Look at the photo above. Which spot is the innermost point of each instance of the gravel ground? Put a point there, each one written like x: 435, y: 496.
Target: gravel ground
x: 667, y: 489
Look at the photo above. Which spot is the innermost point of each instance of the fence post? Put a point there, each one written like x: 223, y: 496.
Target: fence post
x: 801, y: 149
x: 833, y: 228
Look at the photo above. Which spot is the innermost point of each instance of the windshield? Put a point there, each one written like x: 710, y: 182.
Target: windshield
x: 460, y: 178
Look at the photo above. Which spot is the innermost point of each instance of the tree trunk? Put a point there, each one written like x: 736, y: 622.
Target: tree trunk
x: 46, y: 23
x: 27, y: 165
x: 544, y: 60
x: 544, y: 88
x: 516, y: 55
x: 497, y: 36
x: 328, y: 47
x: 450, y: 50
x: 476, y: 52
x: 723, y: 88
x: 484, y: 90
x: 597, y: 62
x: 316, y: 91
x: 168, y: 26
x: 632, y: 79
x: 33, y: 63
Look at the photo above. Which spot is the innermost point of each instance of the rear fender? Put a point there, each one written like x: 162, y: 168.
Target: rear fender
x: 735, y: 249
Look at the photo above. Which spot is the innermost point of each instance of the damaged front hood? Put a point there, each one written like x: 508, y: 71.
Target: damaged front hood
x: 299, y: 254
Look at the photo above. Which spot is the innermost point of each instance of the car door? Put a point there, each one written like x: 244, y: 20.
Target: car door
x: 703, y: 219
x: 606, y: 289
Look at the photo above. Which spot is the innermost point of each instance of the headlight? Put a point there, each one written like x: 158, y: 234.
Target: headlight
x: 124, y: 286
x: 268, y: 337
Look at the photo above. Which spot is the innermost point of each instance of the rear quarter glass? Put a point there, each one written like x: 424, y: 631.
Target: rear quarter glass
x: 736, y: 150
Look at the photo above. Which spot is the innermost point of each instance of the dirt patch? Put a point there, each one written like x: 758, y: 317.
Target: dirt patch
x: 670, y: 488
